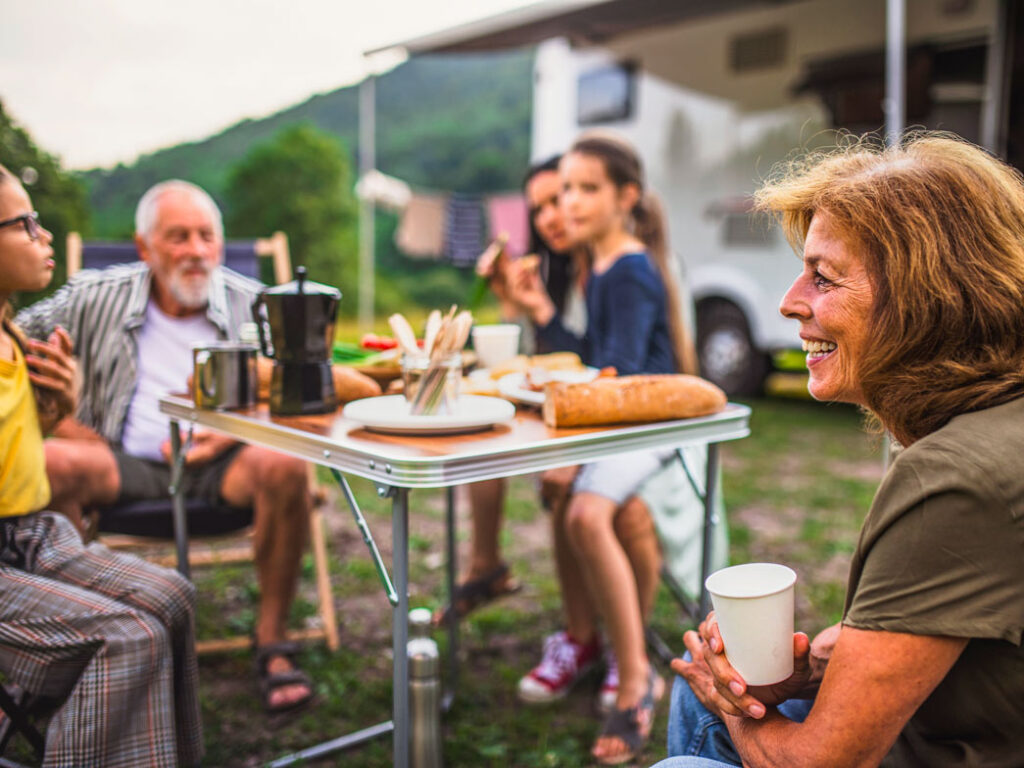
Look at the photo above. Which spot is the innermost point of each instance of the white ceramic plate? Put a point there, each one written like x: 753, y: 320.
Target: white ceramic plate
x: 513, y: 385
x: 390, y: 414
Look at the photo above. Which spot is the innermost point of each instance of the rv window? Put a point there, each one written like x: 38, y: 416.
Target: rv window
x: 605, y: 95
x: 758, y: 50
x: 747, y: 230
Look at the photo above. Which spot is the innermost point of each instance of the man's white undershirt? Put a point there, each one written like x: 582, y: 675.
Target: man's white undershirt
x: 164, y: 365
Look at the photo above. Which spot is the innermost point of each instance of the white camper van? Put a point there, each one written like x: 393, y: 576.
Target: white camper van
x: 715, y: 94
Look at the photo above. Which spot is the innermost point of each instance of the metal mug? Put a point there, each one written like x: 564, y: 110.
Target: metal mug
x: 224, y: 375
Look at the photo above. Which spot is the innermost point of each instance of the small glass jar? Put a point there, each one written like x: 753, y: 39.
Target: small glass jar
x: 439, y: 383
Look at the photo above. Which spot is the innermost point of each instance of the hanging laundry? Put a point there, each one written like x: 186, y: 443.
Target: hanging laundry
x: 421, y: 230
x: 383, y: 190
x: 465, y: 230
x: 508, y: 213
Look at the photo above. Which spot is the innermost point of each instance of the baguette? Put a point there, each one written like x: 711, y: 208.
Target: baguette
x: 630, y: 399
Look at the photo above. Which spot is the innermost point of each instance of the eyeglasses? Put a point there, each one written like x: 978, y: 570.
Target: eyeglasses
x: 30, y: 221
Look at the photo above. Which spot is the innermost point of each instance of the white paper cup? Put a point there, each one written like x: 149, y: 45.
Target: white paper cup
x: 494, y: 344
x: 754, y: 607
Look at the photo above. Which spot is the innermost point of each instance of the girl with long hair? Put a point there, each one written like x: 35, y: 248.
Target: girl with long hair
x: 635, y: 324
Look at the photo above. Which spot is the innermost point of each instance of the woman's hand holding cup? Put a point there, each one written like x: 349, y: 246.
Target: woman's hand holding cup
x: 747, y: 640
x: 721, y: 689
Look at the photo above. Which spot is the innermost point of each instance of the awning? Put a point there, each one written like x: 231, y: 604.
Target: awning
x: 582, y: 21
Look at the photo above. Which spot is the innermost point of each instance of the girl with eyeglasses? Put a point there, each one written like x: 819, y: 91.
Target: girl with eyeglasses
x: 106, y: 637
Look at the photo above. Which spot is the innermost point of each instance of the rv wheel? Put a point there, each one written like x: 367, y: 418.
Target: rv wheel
x: 727, y: 354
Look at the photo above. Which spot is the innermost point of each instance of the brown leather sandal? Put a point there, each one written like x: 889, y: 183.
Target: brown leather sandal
x: 474, y: 593
x: 632, y: 726
x: 271, y: 681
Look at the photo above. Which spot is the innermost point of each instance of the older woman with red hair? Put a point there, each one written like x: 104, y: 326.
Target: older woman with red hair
x: 910, y: 304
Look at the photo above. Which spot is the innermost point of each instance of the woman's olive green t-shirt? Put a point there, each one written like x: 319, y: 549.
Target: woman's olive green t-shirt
x: 942, y: 553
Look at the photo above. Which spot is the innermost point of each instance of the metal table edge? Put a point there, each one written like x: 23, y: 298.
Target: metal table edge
x: 444, y: 471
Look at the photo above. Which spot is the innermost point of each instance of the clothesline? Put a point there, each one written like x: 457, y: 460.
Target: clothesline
x: 452, y: 226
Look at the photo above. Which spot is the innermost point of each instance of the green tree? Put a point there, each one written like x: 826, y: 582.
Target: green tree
x: 299, y: 182
x: 59, y: 197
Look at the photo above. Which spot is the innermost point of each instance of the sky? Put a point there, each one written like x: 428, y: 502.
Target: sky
x: 98, y: 82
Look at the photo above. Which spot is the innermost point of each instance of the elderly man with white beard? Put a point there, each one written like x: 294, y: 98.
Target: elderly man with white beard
x: 133, y: 328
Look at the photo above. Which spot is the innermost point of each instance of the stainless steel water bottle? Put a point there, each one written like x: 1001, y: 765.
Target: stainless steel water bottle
x: 424, y: 693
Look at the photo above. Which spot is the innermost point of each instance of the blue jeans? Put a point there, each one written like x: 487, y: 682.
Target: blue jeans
x: 699, y: 739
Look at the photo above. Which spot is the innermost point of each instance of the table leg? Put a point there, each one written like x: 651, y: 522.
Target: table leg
x: 400, y: 625
x: 453, y: 621
x: 178, y: 502
x: 711, y: 522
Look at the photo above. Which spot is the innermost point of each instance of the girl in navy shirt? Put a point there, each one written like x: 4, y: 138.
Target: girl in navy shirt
x: 634, y: 323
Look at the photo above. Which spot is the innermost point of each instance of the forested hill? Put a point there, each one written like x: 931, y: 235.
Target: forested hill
x: 453, y: 122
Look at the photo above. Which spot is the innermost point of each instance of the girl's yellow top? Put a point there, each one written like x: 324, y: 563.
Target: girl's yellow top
x: 23, y: 484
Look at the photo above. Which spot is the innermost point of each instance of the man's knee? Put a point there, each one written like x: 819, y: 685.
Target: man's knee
x: 282, y: 472
x: 275, y: 483
x: 263, y: 468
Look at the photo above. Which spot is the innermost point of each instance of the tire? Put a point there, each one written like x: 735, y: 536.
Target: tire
x: 727, y: 354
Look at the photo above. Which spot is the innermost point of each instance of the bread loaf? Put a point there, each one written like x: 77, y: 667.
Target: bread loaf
x: 630, y: 399
x: 350, y: 384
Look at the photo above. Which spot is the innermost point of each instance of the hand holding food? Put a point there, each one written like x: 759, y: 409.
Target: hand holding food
x: 526, y: 289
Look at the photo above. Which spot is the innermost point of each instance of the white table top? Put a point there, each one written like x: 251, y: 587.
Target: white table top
x: 521, y: 446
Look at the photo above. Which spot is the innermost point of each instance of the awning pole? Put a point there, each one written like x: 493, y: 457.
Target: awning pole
x: 895, y: 70
x: 993, y: 111
x: 367, y: 161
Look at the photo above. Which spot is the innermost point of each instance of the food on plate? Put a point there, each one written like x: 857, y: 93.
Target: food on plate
x: 535, y: 378
x: 630, y: 399
x: 347, y: 352
x: 373, y: 341
x: 479, y: 385
x: 385, y: 359
x: 554, y: 361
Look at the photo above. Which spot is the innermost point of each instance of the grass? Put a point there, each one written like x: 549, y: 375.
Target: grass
x: 796, y: 491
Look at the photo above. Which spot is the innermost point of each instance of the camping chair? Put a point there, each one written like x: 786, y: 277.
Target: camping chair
x: 153, y: 519
x: 17, y: 717
x: 241, y: 256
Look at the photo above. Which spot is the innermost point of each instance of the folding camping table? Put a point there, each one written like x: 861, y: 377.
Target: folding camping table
x: 397, y: 464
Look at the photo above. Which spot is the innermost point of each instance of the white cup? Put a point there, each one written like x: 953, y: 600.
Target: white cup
x: 754, y: 607
x: 494, y: 344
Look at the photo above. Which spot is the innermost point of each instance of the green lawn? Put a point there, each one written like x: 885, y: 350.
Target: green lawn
x: 796, y: 491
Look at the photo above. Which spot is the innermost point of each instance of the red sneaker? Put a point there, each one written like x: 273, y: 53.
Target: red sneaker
x: 564, y: 662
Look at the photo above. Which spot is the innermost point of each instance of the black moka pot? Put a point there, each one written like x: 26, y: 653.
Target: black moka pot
x: 299, y: 317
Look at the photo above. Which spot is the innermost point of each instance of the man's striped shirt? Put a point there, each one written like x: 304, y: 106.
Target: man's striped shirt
x: 103, y: 311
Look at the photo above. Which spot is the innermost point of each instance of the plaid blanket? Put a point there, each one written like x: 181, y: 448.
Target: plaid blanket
x: 108, y: 632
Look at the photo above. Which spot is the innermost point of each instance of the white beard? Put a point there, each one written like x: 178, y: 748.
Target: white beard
x: 192, y: 292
